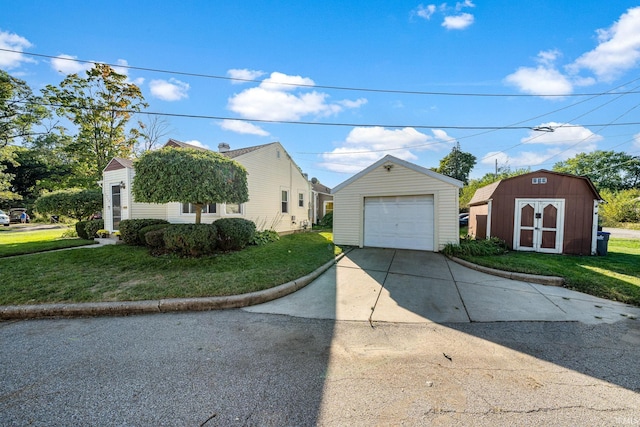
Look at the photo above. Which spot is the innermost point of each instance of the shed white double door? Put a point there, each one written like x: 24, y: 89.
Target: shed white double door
x: 401, y: 222
x: 539, y: 225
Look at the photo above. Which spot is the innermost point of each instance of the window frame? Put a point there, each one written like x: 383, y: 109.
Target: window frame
x: 206, y: 209
x: 284, y: 201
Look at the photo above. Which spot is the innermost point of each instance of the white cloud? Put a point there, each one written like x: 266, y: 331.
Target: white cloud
x: 353, y: 104
x: 244, y: 74
x: 618, y: 49
x: 563, y: 134
x: 563, y: 143
x: 12, y: 41
x: 365, y: 145
x: 465, y: 3
x: 426, y: 12
x: 169, y: 90
x: 273, y: 100
x: 67, y: 64
x: 283, y: 82
x: 458, y: 22
x: 243, y: 127
x: 543, y: 79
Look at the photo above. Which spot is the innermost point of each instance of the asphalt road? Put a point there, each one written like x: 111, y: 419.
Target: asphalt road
x: 227, y: 368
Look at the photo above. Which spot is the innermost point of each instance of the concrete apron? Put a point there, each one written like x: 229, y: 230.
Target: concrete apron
x: 389, y: 285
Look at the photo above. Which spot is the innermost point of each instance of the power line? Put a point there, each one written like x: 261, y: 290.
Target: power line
x: 330, y: 87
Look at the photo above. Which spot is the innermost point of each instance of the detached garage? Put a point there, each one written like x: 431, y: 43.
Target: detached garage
x: 396, y: 204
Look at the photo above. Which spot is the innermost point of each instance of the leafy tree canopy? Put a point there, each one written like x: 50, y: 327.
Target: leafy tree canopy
x: 457, y: 164
x: 608, y: 170
x: 20, y: 110
x: 100, y: 105
x: 189, y: 176
x: 77, y: 203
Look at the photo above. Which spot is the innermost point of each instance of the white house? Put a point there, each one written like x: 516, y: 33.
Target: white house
x: 279, y: 193
x: 396, y: 204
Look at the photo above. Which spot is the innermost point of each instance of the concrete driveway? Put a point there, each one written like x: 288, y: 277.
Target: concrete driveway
x: 388, y: 285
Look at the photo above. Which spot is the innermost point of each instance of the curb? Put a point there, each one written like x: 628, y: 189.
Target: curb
x: 125, y: 308
x: 530, y: 278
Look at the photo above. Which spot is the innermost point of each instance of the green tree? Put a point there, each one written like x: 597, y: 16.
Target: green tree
x: 77, y: 203
x: 622, y: 206
x: 608, y: 170
x: 100, y: 105
x: 20, y: 111
x: 189, y: 176
x: 457, y: 164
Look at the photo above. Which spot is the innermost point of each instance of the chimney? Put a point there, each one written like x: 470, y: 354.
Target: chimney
x: 223, y: 147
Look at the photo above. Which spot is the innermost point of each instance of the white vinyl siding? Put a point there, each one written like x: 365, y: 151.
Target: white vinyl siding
x: 269, y: 169
x: 348, y: 210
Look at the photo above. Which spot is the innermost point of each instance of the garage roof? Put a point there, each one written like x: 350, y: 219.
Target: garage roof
x: 391, y: 160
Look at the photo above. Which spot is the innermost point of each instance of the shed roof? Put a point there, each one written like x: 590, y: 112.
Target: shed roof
x: 119, y: 163
x: 389, y: 159
x: 484, y: 194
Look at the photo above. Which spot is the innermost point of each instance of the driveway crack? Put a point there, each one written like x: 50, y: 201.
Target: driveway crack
x: 375, y: 304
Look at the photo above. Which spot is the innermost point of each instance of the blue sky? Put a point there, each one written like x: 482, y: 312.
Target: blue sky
x: 444, y: 51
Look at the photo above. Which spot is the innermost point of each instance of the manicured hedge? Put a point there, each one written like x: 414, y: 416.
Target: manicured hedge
x: 191, y: 239
x: 144, y: 230
x: 130, y: 229
x: 155, y: 238
x: 234, y: 233
x: 91, y: 227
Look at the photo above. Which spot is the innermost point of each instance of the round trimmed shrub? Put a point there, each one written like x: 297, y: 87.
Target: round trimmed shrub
x: 234, y: 233
x: 91, y: 227
x: 130, y: 228
x: 144, y: 230
x: 191, y: 239
x: 81, y: 230
x: 155, y: 238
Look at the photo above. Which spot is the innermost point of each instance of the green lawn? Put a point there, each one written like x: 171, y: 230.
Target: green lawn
x: 18, y: 242
x: 615, y: 276
x: 126, y: 273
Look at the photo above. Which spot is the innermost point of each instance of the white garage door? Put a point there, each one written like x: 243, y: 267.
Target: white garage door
x: 402, y: 222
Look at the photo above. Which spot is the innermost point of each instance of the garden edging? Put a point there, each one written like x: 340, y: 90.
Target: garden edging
x: 124, y: 308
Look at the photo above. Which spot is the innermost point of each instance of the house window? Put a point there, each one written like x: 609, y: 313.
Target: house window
x: 189, y: 208
x: 538, y: 180
x: 233, y: 209
x: 301, y: 200
x: 285, y: 201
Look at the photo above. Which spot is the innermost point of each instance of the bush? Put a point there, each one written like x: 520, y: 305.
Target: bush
x: 130, y: 228
x: 479, y: 247
x: 76, y: 203
x: 234, y: 233
x: 191, y: 239
x: 264, y: 237
x: 81, y: 230
x: 155, y: 238
x: 326, y: 221
x: 144, y: 230
x: 621, y: 206
x: 92, y: 227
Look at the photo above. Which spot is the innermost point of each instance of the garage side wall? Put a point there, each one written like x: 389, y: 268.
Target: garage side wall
x: 348, y: 210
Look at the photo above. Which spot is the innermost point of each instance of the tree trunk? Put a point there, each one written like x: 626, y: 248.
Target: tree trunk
x: 198, y: 208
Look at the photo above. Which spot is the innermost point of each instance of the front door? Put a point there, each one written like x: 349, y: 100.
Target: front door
x: 116, y: 206
x: 539, y: 225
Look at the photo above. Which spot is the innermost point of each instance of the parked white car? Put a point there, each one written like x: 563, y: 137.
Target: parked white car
x: 4, y: 219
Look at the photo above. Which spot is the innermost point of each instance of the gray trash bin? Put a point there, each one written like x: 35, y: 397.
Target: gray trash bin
x: 603, y: 243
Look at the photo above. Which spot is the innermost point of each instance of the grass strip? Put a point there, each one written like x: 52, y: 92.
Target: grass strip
x: 615, y: 276
x: 15, y: 242
x: 127, y: 273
